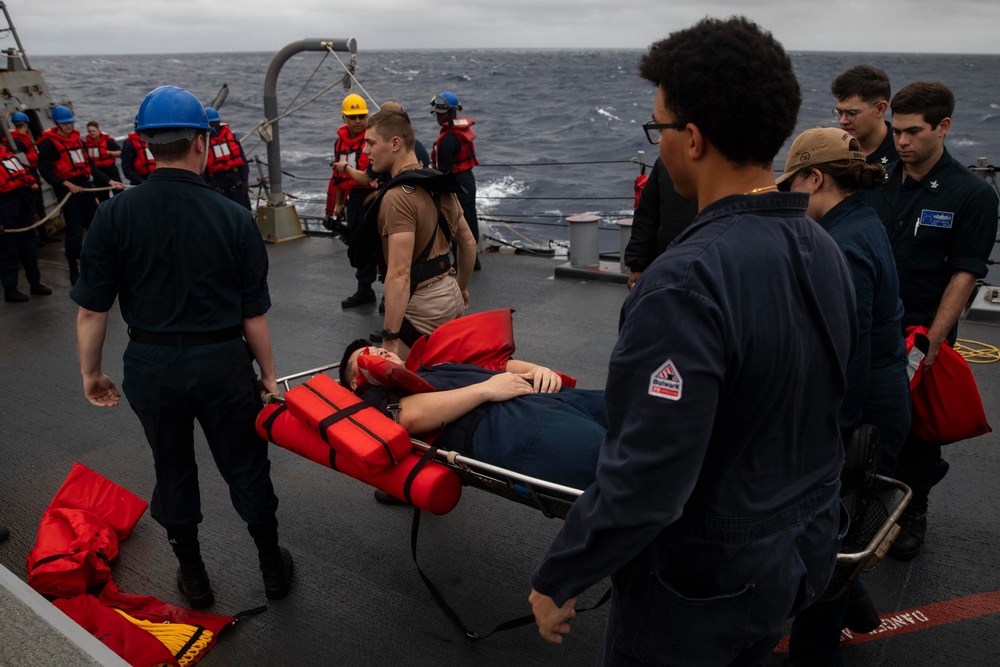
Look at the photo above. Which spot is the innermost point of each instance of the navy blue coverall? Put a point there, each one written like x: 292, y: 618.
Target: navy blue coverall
x: 716, y: 507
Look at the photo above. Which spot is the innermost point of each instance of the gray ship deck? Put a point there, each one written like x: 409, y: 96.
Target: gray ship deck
x: 357, y: 599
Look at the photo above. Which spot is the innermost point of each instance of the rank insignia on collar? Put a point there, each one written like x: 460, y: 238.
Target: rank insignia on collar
x: 934, y: 185
x: 885, y: 160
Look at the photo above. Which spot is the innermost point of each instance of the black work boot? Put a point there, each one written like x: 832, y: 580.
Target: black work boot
x: 74, y: 271
x: 39, y: 289
x: 365, y: 294
x: 192, y: 580
x: 14, y: 296
x: 275, y: 561
x: 912, y: 529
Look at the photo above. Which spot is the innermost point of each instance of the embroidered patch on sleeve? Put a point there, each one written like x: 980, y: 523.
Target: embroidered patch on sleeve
x: 666, y: 382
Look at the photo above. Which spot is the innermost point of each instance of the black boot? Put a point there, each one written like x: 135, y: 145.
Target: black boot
x: 192, y: 580
x: 74, y: 271
x: 39, y: 289
x: 275, y: 561
x: 13, y: 296
x: 912, y: 529
x: 365, y: 294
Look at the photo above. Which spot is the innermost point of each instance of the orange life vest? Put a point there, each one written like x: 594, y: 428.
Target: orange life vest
x: 13, y: 174
x: 97, y: 150
x: 144, y: 163
x: 29, y: 146
x: 224, y: 152
x: 72, y: 160
x: 348, y: 150
x: 466, y: 158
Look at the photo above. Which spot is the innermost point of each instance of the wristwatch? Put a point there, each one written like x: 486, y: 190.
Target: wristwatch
x: 389, y: 335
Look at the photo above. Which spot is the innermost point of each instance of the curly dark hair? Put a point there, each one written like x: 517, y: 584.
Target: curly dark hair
x: 933, y: 101
x: 868, y: 82
x: 353, y: 347
x: 731, y: 79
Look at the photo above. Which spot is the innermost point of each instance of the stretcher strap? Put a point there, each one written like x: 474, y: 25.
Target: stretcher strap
x: 345, y: 413
x: 269, y: 422
x: 408, y: 484
x: 452, y: 615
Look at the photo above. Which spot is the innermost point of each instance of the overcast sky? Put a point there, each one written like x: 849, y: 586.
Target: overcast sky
x: 86, y: 27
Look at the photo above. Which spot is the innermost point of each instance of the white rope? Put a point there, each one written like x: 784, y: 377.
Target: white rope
x: 55, y: 211
x: 263, y: 127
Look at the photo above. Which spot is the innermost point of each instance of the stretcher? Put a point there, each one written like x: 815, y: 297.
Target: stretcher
x: 873, y: 519
x: 552, y: 500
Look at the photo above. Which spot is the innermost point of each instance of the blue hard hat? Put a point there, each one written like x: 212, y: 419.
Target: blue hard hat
x: 170, y: 107
x: 19, y: 117
x: 61, y: 114
x: 213, y: 115
x: 446, y: 101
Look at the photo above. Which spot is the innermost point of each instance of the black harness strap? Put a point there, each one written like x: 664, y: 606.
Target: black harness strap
x: 191, y: 642
x: 273, y: 417
x: 448, y: 610
x: 346, y: 413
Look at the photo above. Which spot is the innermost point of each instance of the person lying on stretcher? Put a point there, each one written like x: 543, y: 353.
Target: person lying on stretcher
x: 521, y: 419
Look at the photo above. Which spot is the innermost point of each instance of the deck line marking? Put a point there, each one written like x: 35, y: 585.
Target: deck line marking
x: 920, y: 618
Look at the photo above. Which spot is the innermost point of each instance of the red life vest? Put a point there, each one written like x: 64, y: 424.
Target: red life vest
x: 79, y: 533
x: 144, y: 163
x: 434, y: 488
x: 72, y: 159
x: 224, y: 152
x: 466, y: 157
x: 97, y: 150
x: 29, y: 147
x: 13, y: 174
x: 348, y: 150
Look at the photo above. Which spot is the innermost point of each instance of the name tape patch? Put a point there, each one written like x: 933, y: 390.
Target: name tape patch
x: 940, y: 219
x: 666, y: 382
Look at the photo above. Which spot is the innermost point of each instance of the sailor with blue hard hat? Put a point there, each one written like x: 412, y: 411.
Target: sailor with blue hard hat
x: 455, y: 152
x: 189, y: 270
x: 228, y: 170
x: 19, y: 117
x: 63, y: 163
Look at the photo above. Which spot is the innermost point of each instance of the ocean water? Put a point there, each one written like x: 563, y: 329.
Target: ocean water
x: 558, y: 130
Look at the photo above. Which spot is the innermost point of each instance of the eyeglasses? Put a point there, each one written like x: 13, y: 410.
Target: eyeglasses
x: 653, y: 129
x: 849, y: 114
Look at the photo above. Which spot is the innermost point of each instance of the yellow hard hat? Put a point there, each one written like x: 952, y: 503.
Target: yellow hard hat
x: 354, y: 105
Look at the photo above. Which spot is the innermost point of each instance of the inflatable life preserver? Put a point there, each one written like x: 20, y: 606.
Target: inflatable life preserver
x: 351, y: 426
x: 13, y: 174
x: 466, y: 157
x: 144, y: 163
x: 71, y: 161
x: 348, y: 149
x: 224, y: 152
x: 97, y: 150
x: 79, y: 533
x: 434, y: 488
x: 482, y: 339
x: 30, y: 152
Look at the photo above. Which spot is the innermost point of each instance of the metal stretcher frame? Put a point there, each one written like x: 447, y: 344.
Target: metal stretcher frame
x: 554, y: 500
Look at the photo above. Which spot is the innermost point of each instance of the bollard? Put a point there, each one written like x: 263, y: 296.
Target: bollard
x: 583, y: 252
x: 624, y: 236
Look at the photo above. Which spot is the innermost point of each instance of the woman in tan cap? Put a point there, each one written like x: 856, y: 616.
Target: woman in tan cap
x: 828, y: 164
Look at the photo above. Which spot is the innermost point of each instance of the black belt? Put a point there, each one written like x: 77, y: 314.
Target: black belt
x: 188, y: 339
